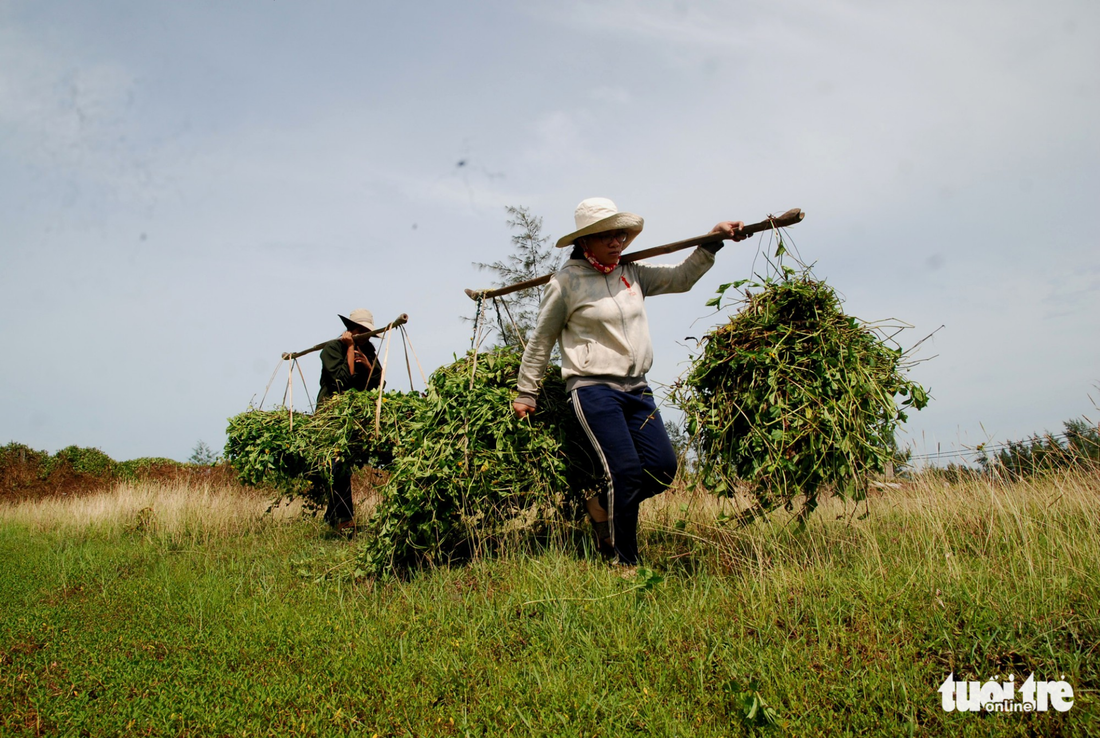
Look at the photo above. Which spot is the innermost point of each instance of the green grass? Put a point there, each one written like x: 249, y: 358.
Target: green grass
x: 183, y: 612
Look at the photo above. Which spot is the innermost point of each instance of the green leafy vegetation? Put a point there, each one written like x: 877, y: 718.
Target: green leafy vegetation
x: 792, y: 397
x: 86, y: 461
x: 464, y: 472
x: 469, y: 474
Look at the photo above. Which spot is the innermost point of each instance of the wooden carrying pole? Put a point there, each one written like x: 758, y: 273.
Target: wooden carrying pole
x: 400, y: 320
x: 789, y: 218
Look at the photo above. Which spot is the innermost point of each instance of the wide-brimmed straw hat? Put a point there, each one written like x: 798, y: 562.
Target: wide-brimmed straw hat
x: 360, y: 318
x: 598, y: 215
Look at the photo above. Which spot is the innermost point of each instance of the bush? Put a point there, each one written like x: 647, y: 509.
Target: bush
x: 149, y: 467
x: 22, y: 469
x: 26, y: 473
x: 89, y: 461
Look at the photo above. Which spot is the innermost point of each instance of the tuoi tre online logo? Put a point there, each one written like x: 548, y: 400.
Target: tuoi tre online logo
x: 993, y: 696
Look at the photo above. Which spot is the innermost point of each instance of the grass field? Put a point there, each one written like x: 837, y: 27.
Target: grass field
x: 187, y: 611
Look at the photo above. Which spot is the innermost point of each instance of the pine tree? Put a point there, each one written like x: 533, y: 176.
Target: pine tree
x: 203, y: 455
x: 531, y: 257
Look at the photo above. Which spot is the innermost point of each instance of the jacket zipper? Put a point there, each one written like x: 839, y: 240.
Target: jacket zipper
x: 622, y: 320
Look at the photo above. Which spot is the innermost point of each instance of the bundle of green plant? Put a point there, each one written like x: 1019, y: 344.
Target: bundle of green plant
x: 475, y: 475
x: 793, y: 398
x: 464, y: 473
x: 295, y: 453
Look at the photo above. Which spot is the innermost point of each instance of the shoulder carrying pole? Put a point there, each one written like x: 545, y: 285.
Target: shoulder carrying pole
x: 401, y: 319
x: 789, y: 218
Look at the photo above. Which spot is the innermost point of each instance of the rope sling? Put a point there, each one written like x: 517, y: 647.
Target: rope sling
x: 386, y: 333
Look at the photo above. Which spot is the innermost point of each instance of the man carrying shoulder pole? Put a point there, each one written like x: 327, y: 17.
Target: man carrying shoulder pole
x: 347, y: 364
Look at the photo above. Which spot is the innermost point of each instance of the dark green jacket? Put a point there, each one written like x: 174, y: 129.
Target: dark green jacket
x: 335, y: 376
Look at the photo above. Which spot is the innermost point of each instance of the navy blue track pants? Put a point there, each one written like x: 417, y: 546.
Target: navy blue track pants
x: 629, y: 436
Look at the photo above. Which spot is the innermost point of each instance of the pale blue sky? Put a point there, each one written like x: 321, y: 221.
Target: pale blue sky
x: 189, y: 189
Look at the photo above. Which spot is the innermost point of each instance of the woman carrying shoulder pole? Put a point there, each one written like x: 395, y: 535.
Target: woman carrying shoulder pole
x: 595, y: 308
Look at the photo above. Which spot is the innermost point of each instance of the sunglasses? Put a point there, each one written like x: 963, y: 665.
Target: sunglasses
x: 609, y: 237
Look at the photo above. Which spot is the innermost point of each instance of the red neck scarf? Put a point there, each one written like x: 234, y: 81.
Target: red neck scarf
x: 599, y: 265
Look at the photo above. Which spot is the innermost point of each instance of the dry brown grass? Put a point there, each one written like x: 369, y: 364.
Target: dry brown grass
x: 210, y: 501
x: 163, y: 509
x: 1038, y: 526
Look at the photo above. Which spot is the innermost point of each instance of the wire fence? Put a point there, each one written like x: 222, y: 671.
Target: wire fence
x: 986, y: 448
